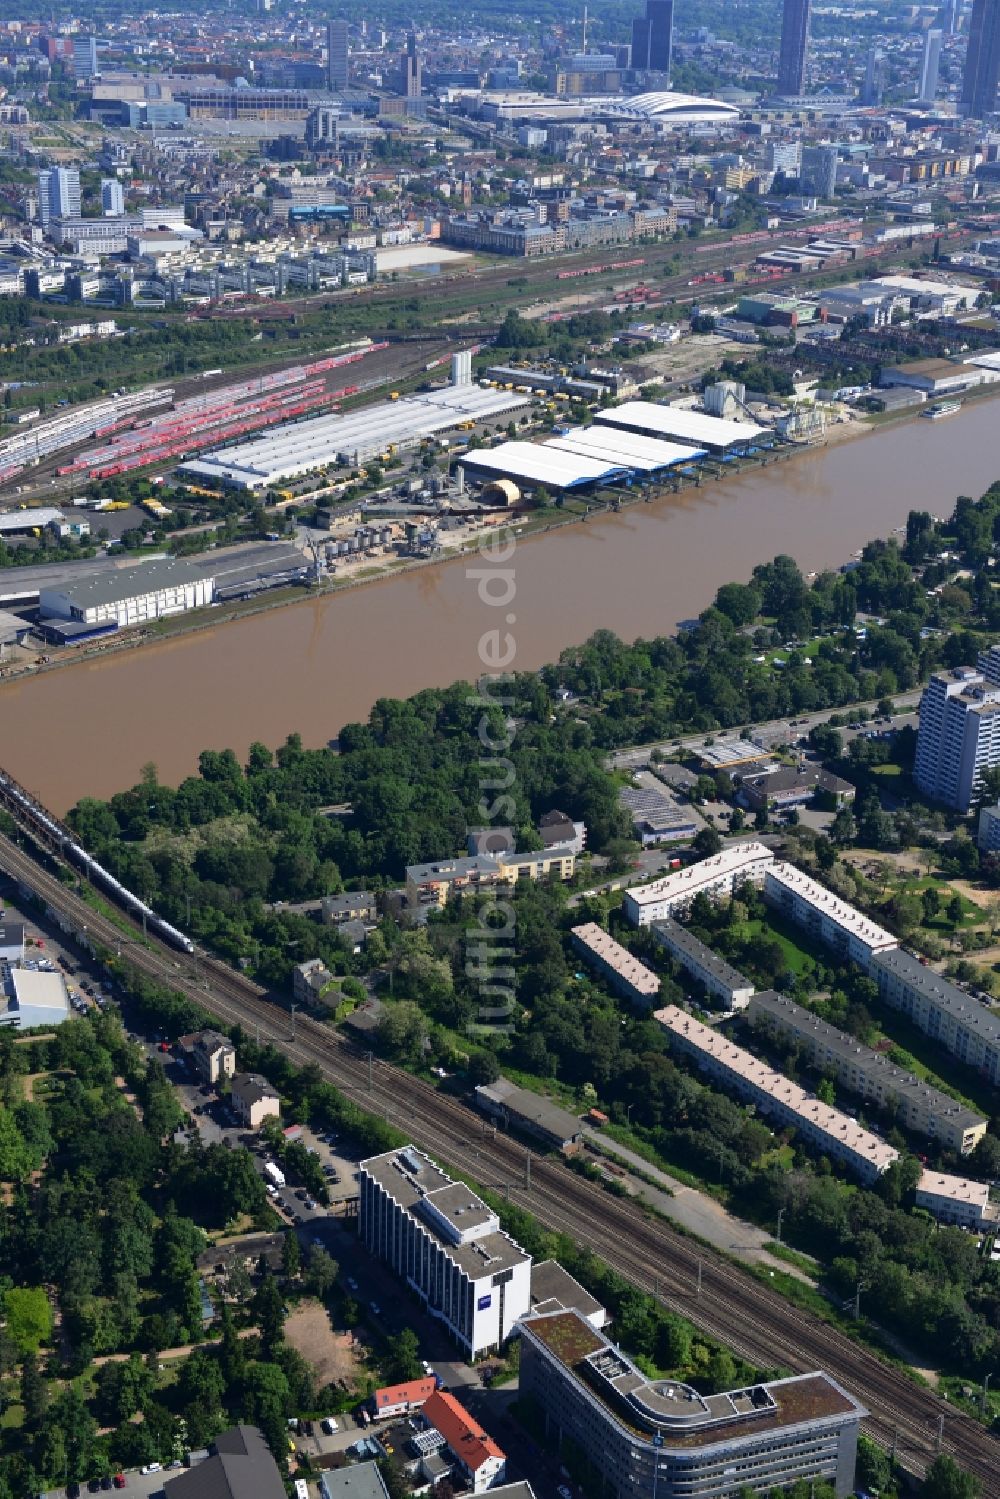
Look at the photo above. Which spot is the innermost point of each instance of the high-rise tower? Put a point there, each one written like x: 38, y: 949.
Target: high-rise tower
x: 982, y: 60
x: 794, y: 41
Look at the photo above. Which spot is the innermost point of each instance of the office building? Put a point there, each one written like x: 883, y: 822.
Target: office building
x: 336, y: 56
x: 737, y: 1071
x: 112, y: 198
x: 659, y: 1439
x: 715, y: 878
x: 410, y: 80
x: 626, y: 975
x: 85, y: 64
x: 818, y: 172
x: 952, y: 1199
x: 717, y: 977
x: 652, y: 37
x: 982, y: 60
x: 918, y: 1107
x: 439, y: 1237
x: 784, y: 157
x: 794, y: 44
x: 58, y: 194
x: 959, y: 736
x: 952, y: 9
x: 824, y: 916
x: 959, y: 1023
x: 930, y: 65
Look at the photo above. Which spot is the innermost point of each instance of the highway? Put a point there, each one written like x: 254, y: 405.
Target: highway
x: 718, y: 1296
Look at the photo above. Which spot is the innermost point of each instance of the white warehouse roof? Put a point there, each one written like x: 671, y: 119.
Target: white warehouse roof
x: 24, y: 520
x: 674, y: 421
x: 295, y: 448
x: 542, y: 463
x: 630, y: 449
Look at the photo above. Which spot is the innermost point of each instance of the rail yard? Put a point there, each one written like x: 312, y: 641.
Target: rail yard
x: 692, y: 1280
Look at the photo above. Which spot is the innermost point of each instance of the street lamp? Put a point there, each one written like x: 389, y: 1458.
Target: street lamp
x: 781, y: 1214
x: 986, y: 1390
x: 628, y: 1115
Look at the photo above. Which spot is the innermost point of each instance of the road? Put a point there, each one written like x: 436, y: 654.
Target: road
x: 721, y: 1298
x: 776, y: 731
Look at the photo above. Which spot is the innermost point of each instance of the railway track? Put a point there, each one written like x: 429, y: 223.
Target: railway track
x: 719, y: 1297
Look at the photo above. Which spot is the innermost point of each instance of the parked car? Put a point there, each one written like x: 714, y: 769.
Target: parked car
x: 151, y: 1468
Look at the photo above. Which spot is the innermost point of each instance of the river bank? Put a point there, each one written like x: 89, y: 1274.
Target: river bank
x: 323, y: 661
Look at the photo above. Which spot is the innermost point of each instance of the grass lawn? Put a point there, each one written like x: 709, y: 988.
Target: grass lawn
x: 972, y: 915
x: 801, y: 960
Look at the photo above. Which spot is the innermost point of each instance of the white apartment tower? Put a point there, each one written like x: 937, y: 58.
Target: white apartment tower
x: 959, y: 735
x: 58, y: 194
x: 112, y: 198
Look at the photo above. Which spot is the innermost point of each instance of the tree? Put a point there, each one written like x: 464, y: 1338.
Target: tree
x: 930, y: 900
x: 404, y: 1356
x: 322, y: 1272
x: 707, y: 841
x: 290, y: 1255
x: 29, y: 1318
x: 825, y: 1092
x: 955, y: 910
x: 946, y: 1480
x: 269, y: 1314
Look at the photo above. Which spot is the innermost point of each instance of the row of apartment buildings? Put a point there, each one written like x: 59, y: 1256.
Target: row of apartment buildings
x: 968, y: 1030
x: 921, y: 1108
x: 738, y: 1071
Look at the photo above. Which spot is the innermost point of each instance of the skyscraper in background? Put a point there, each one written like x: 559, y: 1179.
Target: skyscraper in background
x: 794, y: 42
x: 58, y: 194
x: 85, y: 63
x: 410, y: 79
x: 653, y: 37
x: 929, y: 66
x: 982, y: 60
x: 336, y: 56
x: 950, y: 17
x: 873, y: 85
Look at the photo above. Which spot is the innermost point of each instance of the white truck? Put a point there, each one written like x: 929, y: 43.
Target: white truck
x: 274, y: 1174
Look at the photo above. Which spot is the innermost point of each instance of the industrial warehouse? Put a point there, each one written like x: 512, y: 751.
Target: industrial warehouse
x: 680, y: 425
x: 582, y: 456
x: 289, y: 451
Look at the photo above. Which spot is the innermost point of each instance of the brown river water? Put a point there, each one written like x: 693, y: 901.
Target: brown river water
x: 312, y: 666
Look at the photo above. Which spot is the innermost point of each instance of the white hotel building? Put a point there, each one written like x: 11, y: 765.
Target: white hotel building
x: 835, y: 1134
x: 447, y: 1245
x: 715, y: 877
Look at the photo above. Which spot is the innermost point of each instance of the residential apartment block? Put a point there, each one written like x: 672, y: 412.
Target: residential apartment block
x: 824, y: 916
x: 963, y: 1026
x: 959, y: 735
x: 660, y: 1438
x: 254, y: 1099
x: 447, y: 1245
x: 212, y: 1055
x: 952, y: 1199
x: 433, y: 884
x: 626, y: 975
x: 836, y: 1134
x: 717, y: 977
x: 920, y: 1108
x: 715, y: 877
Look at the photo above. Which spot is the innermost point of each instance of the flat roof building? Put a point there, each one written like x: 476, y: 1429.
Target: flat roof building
x: 959, y: 736
x: 714, y: 877
x: 131, y: 595
x: 824, y: 916
x: 35, y: 997
x: 656, y: 816
x: 920, y: 1108
x: 11, y: 941
x: 447, y: 1244
x: 952, y: 1199
x: 716, y: 976
x: 964, y: 1027
x: 553, y: 1289
x: 679, y: 424
x: 625, y: 973
x: 647, y: 1437
x: 531, y: 1112
x: 835, y: 1134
